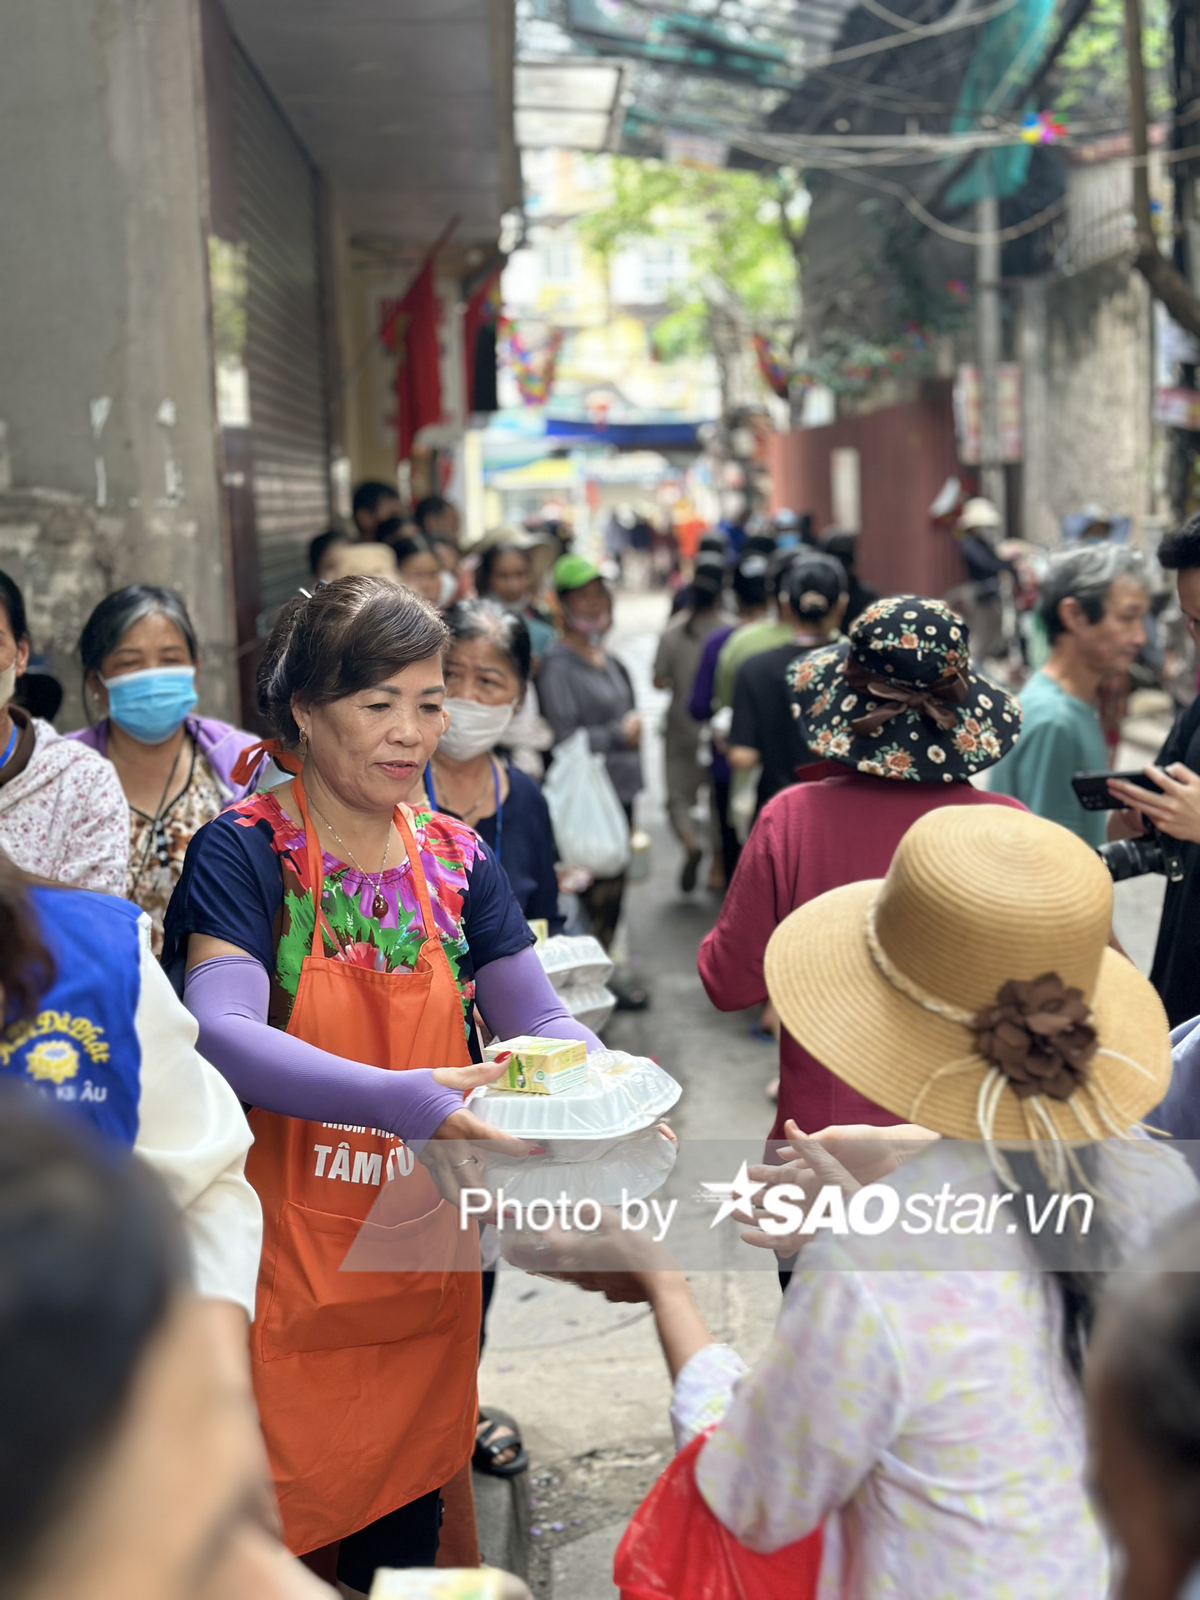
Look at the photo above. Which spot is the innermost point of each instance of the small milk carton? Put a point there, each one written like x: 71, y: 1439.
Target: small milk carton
x: 540, y: 1066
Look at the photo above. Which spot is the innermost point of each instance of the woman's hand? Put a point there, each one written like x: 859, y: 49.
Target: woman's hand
x: 620, y: 1263
x: 631, y: 729
x: 1176, y: 809
x: 846, y: 1156
x: 451, y: 1153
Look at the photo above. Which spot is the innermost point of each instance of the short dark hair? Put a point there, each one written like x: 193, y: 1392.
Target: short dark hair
x: 484, y: 619
x: 813, y: 583
x: 13, y: 602
x: 368, y: 495
x: 92, y: 1256
x: 1180, y: 551
x: 1084, y: 573
x: 489, y: 558
x: 708, y: 582
x: 404, y: 544
x: 349, y: 635
x: 844, y: 545
x: 116, y: 614
x: 750, y: 577
x: 431, y: 506
x: 318, y: 546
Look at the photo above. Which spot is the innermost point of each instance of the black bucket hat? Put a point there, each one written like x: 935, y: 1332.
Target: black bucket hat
x: 898, y: 699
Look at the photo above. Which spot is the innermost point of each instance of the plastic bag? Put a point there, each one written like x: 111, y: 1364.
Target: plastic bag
x: 676, y: 1549
x: 590, y: 826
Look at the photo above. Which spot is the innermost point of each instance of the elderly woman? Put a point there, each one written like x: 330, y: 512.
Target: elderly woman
x: 486, y: 666
x: 140, y: 665
x: 62, y: 813
x: 337, y: 937
x: 898, y: 708
x: 931, y: 1420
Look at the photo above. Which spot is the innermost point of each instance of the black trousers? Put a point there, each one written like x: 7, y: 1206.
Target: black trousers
x: 730, y: 848
x: 407, y: 1537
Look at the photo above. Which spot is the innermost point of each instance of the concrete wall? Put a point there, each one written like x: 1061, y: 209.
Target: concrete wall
x: 103, y: 267
x: 1085, y: 345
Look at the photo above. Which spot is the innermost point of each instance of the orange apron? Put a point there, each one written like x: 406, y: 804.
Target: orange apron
x: 365, y: 1380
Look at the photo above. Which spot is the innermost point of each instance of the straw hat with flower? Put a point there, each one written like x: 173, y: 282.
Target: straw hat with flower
x: 973, y: 989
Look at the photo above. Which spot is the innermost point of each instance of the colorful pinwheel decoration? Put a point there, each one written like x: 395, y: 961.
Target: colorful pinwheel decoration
x: 1043, y: 127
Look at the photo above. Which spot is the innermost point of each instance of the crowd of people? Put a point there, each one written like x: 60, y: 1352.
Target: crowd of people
x: 250, y: 975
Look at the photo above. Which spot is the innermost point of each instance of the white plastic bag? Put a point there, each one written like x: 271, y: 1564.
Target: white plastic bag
x: 590, y: 826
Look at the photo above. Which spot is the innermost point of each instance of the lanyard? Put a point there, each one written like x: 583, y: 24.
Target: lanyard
x: 11, y: 745
x: 432, y: 797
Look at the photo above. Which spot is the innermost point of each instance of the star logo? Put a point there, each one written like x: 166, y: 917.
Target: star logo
x: 737, y: 1198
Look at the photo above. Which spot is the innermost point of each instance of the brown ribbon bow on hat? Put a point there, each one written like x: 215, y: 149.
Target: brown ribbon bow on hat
x: 1040, y: 1035
x: 933, y: 701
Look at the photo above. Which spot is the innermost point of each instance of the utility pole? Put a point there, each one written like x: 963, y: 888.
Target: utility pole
x: 988, y: 335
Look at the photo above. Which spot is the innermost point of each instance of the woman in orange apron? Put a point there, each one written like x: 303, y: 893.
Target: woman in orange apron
x: 335, y: 943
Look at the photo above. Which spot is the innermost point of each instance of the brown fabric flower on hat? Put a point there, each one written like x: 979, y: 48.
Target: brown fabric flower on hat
x: 1040, y: 1035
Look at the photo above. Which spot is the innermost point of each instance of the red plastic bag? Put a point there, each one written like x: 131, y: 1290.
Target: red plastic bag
x: 676, y: 1549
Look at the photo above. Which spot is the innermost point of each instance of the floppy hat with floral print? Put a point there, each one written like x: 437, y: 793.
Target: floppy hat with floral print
x: 898, y: 699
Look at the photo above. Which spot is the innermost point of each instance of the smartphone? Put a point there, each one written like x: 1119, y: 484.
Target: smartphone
x: 1091, y: 789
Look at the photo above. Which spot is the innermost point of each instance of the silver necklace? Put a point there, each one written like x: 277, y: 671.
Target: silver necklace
x: 378, y: 904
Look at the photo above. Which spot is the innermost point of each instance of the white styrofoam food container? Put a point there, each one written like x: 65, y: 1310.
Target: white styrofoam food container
x: 571, y: 960
x: 605, y: 1171
x: 623, y: 1095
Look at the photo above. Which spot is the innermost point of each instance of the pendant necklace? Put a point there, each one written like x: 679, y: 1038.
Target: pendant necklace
x: 378, y: 904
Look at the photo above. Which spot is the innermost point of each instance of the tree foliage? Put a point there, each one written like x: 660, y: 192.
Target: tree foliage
x: 1090, y: 76
x: 742, y: 230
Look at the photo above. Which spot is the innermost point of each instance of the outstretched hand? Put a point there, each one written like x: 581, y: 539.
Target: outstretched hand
x: 846, y: 1156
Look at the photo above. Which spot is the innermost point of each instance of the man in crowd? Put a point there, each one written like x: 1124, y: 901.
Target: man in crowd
x: 374, y: 503
x: 1176, y: 810
x: 1093, y: 607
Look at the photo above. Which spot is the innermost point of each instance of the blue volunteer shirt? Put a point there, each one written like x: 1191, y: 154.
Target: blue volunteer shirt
x: 81, y: 1050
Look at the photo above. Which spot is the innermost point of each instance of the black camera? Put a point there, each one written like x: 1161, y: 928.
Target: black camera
x: 1133, y: 858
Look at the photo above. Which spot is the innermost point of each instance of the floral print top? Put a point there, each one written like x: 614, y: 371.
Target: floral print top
x: 926, y: 1419
x: 246, y: 880
x: 157, y: 847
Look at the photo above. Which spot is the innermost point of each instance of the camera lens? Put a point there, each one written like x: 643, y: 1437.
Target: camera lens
x: 1132, y: 858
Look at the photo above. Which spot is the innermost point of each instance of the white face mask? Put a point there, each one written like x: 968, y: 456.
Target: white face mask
x: 8, y: 682
x: 447, y: 588
x: 474, y: 728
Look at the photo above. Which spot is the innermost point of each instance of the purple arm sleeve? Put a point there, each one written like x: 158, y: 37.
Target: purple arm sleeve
x: 515, y: 996
x: 269, y: 1068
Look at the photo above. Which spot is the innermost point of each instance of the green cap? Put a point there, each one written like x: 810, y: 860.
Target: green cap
x: 572, y: 572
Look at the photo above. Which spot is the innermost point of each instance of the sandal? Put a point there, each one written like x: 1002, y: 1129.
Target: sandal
x: 496, y: 1436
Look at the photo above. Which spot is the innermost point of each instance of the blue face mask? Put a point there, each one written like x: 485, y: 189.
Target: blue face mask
x: 150, y: 706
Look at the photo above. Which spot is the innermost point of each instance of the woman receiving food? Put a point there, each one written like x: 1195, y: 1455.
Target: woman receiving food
x: 336, y: 936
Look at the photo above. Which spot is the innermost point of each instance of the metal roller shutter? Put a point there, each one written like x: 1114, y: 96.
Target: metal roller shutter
x: 278, y: 207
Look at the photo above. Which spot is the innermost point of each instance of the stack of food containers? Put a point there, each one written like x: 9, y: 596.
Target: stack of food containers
x: 579, y: 968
